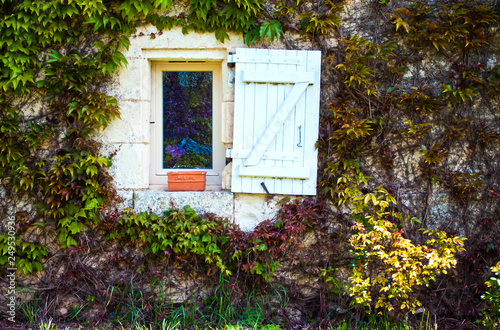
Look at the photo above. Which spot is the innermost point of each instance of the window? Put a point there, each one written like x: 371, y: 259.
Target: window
x: 186, y: 121
x: 269, y: 120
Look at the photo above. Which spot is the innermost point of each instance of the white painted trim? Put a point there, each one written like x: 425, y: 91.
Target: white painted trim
x: 274, y: 155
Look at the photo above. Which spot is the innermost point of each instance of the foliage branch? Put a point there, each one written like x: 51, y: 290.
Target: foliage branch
x: 411, y: 128
x: 56, y: 57
x: 491, y: 312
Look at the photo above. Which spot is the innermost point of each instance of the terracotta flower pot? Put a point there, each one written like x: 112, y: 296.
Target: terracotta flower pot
x: 187, y: 180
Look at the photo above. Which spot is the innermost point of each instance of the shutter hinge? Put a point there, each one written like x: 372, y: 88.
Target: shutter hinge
x: 229, y: 153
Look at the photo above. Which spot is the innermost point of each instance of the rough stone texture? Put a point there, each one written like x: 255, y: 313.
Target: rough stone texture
x: 133, y: 126
x: 218, y: 202
x: 130, y: 79
x: 128, y: 198
x: 251, y: 209
x: 227, y: 123
x: 130, y: 167
x: 226, y: 177
x: 228, y: 75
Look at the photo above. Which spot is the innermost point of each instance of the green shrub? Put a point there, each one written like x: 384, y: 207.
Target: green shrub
x: 491, y: 312
x: 179, y: 233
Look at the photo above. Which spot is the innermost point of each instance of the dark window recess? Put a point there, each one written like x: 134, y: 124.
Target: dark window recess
x: 187, y: 119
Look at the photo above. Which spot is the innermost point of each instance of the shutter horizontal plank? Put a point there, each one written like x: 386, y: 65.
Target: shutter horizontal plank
x: 269, y: 59
x: 299, y: 173
x: 274, y: 155
x: 278, y: 77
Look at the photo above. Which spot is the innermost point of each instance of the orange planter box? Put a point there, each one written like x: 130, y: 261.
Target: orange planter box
x: 187, y: 180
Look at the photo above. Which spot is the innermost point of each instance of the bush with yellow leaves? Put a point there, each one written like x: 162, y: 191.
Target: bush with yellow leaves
x: 387, y: 265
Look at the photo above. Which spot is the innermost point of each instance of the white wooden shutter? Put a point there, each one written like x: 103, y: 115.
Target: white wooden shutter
x: 276, y: 118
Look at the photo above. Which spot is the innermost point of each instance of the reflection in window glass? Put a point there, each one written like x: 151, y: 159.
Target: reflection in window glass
x: 187, y: 119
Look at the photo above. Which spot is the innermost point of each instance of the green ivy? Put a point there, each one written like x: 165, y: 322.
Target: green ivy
x: 491, y: 312
x: 178, y: 233
x: 55, y: 57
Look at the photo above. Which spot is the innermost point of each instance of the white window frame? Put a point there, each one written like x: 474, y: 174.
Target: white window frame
x: 158, y: 175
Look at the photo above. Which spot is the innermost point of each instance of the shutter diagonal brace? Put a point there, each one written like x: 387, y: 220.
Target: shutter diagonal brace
x: 274, y: 126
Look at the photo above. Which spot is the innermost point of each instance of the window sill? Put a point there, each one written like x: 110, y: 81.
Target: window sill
x: 208, y: 187
x: 158, y: 201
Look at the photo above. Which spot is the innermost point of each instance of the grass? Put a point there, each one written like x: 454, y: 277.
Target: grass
x: 130, y: 309
x: 373, y: 323
x: 165, y: 325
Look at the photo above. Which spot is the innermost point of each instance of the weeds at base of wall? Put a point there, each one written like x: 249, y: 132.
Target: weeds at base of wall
x: 180, y: 320
x: 372, y: 323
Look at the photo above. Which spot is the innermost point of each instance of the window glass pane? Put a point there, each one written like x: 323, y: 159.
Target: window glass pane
x: 187, y: 119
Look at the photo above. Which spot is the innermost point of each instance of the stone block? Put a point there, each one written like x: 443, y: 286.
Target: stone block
x: 251, y: 209
x: 133, y: 127
x: 228, y: 77
x: 175, y: 39
x: 218, y: 202
x: 226, y: 176
x: 130, y: 79
x: 130, y: 168
x: 128, y: 199
x: 227, y: 122
x: 145, y: 67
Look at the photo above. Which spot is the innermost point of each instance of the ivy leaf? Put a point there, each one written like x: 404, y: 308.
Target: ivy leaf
x: 304, y: 22
x: 221, y: 35
x: 270, y: 29
x: 163, y: 4
x: 155, y: 247
x: 91, y: 170
x: 207, y: 238
x: 70, y: 241
x: 251, y: 36
x: 400, y: 23
x: 75, y: 227
x: 404, y: 11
